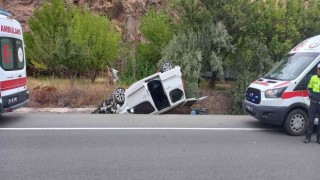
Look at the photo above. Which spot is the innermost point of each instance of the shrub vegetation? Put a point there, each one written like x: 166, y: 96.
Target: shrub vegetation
x: 241, y: 37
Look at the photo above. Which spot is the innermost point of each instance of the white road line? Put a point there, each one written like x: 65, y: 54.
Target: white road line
x: 138, y: 128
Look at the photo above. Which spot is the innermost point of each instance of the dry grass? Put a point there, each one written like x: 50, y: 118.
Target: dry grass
x: 219, y: 86
x: 52, y: 92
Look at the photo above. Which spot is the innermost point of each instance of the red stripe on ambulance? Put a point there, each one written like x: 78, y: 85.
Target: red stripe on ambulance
x: 292, y: 94
x: 21, y: 82
x: 282, y: 84
x: 261, y: 83
x: 12, y: 84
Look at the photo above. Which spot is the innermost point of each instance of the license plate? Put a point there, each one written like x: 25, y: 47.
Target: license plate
x: 12, y: 100
x: 249, y: 108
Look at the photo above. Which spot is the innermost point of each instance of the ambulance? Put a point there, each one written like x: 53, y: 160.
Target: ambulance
x: 281, y: 96
x: 13, y: 78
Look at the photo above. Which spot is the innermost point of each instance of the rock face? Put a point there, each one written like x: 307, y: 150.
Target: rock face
x: 126, y: 14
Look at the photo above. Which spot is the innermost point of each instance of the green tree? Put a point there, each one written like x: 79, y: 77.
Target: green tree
x: 250, y: 61
x: 215, y: 41
x: 215, y: 44
x: 70, y: 57
x: 196, y: 51
x: 278, y: 24
x: 98, y: 39
x: 193, y: 14
x: 48, y: 24
x: 310, y: 19
x: 157, y: 28
x: 184, y: 50
x: 273, y: 25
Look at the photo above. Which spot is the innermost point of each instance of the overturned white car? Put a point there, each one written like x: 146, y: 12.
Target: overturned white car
x: 156, y: 94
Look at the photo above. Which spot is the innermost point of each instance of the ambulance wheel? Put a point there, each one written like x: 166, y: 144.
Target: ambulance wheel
x: 166, y: 66
x: 296, y: 122
x: 119, y: 96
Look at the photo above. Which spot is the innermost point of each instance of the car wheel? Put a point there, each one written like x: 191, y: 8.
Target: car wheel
x: 119, y: 96
x: 166, y: 66
x: 296, y: 122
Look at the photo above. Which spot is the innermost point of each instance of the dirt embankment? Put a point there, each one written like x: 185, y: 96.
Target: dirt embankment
x: 60, y: 93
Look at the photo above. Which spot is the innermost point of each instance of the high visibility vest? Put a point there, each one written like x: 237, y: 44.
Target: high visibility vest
x: 314, y: 84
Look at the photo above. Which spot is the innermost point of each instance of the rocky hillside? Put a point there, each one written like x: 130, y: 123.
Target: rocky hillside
x: 126, y: 14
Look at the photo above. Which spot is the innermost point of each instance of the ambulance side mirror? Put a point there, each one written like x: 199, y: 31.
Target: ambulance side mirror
x: 308, y: 78
x: 303, y: 85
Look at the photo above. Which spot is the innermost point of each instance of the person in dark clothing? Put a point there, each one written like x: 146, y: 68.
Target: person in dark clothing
x: 314, y: 109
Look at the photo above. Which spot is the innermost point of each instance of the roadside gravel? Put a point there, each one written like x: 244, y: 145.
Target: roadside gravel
x: 55, y: 110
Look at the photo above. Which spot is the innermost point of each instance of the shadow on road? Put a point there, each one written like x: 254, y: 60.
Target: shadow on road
x: 258, y: 124
x: 278, y: 129
x: 6, y: 119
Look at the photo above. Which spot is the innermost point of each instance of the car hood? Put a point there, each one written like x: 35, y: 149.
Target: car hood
x: 264, y: 84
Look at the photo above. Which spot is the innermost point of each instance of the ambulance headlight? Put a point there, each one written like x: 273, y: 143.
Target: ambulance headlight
x: 274, y: 93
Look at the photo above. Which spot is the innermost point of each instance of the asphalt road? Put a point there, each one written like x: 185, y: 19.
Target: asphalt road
x: 146, y: 147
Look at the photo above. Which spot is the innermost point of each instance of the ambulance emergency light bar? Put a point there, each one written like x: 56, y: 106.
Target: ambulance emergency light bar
x: 5, y: 12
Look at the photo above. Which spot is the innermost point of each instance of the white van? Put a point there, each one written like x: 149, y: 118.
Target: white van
x: 156, y: 94
x: 281, y: 97
x: 13, y: 77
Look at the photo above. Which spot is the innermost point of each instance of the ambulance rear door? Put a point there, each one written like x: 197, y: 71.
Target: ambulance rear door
x: 12, y: 61
x: 20, y: 63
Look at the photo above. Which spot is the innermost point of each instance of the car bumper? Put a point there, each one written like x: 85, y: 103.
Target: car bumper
x: 12, y: 108
x: 266, y: 114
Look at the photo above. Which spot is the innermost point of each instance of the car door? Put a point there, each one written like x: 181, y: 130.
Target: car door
x: 172, y: 82
x: 9, y: 77
x: 20, y: 63
x: 191, y: 101
x: 303, y: 85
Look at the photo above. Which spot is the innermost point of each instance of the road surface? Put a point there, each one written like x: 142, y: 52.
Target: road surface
x: 146, y: 147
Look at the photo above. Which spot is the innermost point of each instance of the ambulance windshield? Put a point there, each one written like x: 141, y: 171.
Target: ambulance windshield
x: 291, y: 66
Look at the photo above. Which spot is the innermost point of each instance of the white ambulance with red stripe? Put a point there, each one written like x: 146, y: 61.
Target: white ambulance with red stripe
x: 13, y: 78
x: 281, y: 97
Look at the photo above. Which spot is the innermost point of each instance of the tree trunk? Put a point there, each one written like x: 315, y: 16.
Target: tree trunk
x: 72, y: 77
x: 133, y: 56
x: 94, y: 75
x: 213, y: 79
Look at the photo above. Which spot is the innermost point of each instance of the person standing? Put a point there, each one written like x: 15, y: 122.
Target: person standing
x: 314, y: 108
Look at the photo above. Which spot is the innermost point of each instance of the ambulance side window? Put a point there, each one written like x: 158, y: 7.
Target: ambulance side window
x: 20, y: 55
x: 303, y: 84
x: 7, y: 62
x: 12, y: 55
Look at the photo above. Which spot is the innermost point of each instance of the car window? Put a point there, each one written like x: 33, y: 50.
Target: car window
x: 303, y: 84
x: 7, y: 54
x: 291, y: 66
x: 12, y: 55
x: 20, y: 55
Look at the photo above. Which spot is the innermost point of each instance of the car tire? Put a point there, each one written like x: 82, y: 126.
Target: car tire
x: 119, y: 95
x: 296, y: 122
x: 166, y: 66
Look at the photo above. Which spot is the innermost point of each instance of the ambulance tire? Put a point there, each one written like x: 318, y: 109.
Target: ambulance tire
x: 296, y: 122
